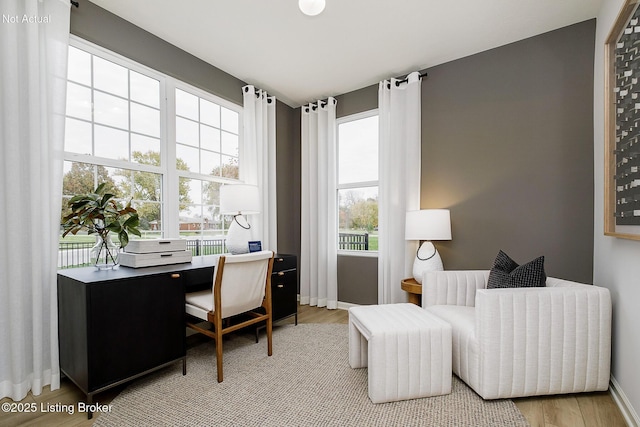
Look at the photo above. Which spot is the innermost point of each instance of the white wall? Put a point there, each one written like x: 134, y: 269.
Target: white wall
x: 616, y: 261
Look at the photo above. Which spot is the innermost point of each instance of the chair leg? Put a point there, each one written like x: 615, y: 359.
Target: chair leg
x: 219, y: 354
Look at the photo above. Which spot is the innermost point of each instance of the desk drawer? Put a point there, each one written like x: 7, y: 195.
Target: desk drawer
x: 284, y: 292
x: 284, y: 262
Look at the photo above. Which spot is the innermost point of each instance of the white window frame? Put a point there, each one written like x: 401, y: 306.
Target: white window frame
x: 362, y: 184
x: 167, y: 169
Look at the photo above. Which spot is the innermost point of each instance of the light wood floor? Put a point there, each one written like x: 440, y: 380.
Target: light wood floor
x: 576, y: 410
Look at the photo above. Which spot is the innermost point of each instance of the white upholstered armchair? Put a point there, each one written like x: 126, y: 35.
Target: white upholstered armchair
x: 523, y: 341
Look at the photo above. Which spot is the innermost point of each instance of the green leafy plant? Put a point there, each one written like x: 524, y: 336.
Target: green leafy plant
x: 98, y: 213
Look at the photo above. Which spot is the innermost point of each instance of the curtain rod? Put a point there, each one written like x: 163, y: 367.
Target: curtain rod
x: 75, y: 3
x: 406, y: 78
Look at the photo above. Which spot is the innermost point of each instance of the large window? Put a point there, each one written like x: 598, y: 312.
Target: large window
x: 164, y: 145
x: 357, y: 190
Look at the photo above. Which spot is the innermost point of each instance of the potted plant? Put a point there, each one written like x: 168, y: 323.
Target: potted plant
x: 98, y: 213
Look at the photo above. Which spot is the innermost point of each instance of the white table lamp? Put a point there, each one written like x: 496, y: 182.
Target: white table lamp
x: 239, y: 200
x: 427, y: 225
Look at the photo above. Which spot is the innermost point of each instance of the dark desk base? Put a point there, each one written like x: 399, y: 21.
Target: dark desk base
x: 118, y: 325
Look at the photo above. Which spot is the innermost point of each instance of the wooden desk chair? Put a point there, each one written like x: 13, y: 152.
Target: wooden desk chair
x: 242, y: 285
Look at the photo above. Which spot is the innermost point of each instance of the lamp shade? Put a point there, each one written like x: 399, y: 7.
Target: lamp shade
x: 239, y: 199
x: 311, y: 7
x: 428, y: 224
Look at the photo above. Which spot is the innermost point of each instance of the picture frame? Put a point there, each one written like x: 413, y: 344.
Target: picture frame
x: 622, y: 125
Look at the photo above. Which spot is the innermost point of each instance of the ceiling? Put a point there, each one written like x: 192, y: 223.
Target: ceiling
x: 352, y: 44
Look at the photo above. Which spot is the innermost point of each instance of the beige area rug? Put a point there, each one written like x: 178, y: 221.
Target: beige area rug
x: 307, y: 382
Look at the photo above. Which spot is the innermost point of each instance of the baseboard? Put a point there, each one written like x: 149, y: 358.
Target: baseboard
x: 346, y: 305
x: 629, y: 414
x: 341, y: 305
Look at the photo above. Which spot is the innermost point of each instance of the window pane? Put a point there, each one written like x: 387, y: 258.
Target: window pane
x: 145, y: 120
x: 358, y: 150
x: 211, y: 193
x: 110, y: 110
x: 358, y: 219
x: 78, y: 101
x: 145, y: 89
x: 200, y: 220
x: 210, y: 163
x: 77, y: 136
x: 187, y: 158
x: 145, y: 150
x: 150, y: 215
x: 229, y: 120
x: 230, y: 167
x: 80, y: 178
x: 186, y: 131
x: 195, y: 191
x: 121, y: 179
x: 146, y: 186
x: 209, y: 113
x: 111, y: 143
x: 186, y: 105
x: 110, y: 77
x: 230, y: 144
x: 79, y: 66
x: 209, y: 138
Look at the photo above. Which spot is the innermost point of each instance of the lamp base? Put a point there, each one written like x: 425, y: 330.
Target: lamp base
x: 238, y: 236
x: 427, y: 259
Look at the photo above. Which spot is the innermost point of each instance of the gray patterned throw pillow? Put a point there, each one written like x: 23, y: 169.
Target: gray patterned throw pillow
x: 506, y: 273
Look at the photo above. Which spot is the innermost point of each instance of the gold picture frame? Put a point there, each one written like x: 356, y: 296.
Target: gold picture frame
x: 622, y: 107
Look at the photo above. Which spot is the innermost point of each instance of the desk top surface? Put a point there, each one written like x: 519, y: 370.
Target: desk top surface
x: 92, y: 275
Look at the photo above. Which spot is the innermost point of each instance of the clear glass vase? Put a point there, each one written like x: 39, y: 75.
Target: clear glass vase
x: 104, y: 254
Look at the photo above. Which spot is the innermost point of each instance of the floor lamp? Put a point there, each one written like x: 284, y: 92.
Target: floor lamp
x: 427, y: 225
x: 239, y: 200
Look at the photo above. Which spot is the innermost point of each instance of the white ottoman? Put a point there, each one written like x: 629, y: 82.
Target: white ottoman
x: 407, y: 350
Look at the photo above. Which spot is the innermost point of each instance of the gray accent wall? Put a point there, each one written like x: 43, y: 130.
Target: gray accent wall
x: 507, y: 140
x: 506, y: 145
x: 288, y: 179
x: 358, y: 279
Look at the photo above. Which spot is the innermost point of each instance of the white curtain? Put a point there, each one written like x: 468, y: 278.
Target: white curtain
x: 399, y: 181
x: 319, y: 233
x: 260, y: 159
x: 33, y: 74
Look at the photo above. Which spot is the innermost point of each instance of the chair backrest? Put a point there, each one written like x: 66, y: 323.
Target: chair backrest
x: 241, y: 282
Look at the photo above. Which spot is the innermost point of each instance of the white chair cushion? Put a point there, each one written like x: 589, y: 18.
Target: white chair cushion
x: 198, y: 304
x: 464, y: 348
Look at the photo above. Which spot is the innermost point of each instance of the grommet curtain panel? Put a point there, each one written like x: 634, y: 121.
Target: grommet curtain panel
x: 260, y: 162
x: 319, y: 258
x: 33, y: 74
x: 399, y: 112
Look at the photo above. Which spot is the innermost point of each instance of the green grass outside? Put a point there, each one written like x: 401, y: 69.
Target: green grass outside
x: 373, y: 242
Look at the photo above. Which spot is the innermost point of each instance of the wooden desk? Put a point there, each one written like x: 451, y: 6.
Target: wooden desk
x: 414, y: 289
